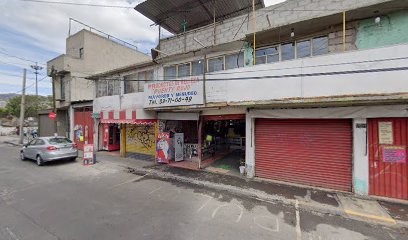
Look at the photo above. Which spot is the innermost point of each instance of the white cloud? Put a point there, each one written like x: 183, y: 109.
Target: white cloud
x: 38, y: 31
x: 47, y: 24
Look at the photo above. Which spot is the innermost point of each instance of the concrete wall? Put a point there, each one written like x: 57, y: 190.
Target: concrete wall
x: 268, y: 82
x: 100, y: 55
x: 236, y: 28
x: 360, y: 157
x: 391, y: 30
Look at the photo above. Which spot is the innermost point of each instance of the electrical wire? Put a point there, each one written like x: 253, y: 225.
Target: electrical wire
x: 304, y: 67
x: 376, y: 70
x: 21, y: 58
x: 27, y: 87
x: 13, y: 75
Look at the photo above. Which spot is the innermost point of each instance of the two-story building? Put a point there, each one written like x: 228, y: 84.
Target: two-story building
x: 86, y: 53
x: 121, y: 123
x: 310, y: 92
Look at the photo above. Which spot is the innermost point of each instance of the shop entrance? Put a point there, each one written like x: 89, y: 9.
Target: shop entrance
x: 223, y: 142
x: 111, y: 136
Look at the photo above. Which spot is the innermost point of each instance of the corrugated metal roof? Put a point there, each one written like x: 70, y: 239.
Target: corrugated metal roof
x: 130, y: 67
x: 171, y: 14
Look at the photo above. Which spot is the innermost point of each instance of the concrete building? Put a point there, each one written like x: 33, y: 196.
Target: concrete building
x: 86, y: 53
x: 121, y: 123
x: 321, y: 102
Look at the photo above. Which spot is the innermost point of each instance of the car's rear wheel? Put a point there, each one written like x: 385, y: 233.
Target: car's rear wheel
x: 39, y: 160
x: 22, y: 157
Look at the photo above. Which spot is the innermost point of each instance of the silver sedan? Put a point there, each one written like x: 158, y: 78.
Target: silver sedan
x: 45, y: 149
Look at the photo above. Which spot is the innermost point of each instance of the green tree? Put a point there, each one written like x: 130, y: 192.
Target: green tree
x: 33, y: 104
x: 3, y: 112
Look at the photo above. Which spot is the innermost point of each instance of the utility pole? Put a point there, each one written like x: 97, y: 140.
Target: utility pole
x: 22, y: 107
x: 54, y: 107
x: 36, y: 69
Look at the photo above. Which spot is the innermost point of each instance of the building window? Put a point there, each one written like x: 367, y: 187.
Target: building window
x: 108, y: 88
x: 267, y: 55
x: 130, y: 83
x: 234, y: 61
x: 81, y: 52
x: 111, y: 86
x: 197, y: 68
x: 170, y: 72
x: 116, y: 87
x: 303, y: 49
x: 288, y: 51
x: 62, y: 83
x: 144, y: 77
x: 216, y: 64
x: 320, y: 46
x: 102, y: 88
x: 183, y: 70
x: 149, y: 76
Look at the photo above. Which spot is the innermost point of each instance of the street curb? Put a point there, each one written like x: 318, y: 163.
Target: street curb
x: 13, y: 143
x: 259, y: 195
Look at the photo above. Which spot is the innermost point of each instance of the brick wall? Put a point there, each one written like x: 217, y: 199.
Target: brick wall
x: 285, y: 13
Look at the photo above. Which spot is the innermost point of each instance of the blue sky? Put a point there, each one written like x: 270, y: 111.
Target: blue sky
x: 36, y: 32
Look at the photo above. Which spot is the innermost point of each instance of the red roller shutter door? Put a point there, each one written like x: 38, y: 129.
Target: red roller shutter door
x: 311, y: 152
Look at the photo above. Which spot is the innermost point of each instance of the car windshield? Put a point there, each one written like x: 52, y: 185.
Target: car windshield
x: 59, y: 141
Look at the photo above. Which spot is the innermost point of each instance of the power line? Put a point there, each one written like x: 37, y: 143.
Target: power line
x: 13, y: 75
x: 78, y: 4
x: 18, y: 66
x: 21, y: 58
x: 31, y: 84
x: 375, y: 70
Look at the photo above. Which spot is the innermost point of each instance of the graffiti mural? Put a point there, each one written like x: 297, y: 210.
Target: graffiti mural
x: 141, y: 139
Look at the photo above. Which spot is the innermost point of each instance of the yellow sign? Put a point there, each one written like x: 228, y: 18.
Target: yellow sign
x: 385, y: 133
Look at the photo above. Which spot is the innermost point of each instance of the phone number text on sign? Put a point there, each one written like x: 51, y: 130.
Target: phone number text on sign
x: 174, y: 93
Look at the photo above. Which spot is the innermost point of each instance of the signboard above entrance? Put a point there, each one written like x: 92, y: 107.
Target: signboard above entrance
x: 181, y: 92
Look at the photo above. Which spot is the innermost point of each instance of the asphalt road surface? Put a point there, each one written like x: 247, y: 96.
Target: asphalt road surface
x: 69, y: 201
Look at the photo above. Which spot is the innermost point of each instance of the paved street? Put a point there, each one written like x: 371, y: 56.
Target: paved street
x: 69, y: 201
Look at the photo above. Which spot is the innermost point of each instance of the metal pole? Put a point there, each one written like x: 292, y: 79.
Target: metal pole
x: 215, y: 26
x: 158, y: 45
x: 36, y: 84
x: 22, y: 107
x: 54, y: 107
x: 36, y: 69
x: 254, y: 24
x: 344, y: 31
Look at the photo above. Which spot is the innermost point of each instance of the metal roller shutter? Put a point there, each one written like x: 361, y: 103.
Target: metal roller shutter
x: 311, y: 152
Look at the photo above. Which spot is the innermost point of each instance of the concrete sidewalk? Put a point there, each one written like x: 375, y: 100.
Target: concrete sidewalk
x: 12, y: 140
x: 317, y: 200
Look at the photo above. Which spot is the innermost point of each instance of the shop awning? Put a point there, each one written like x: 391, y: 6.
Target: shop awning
x: 124, y: 116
